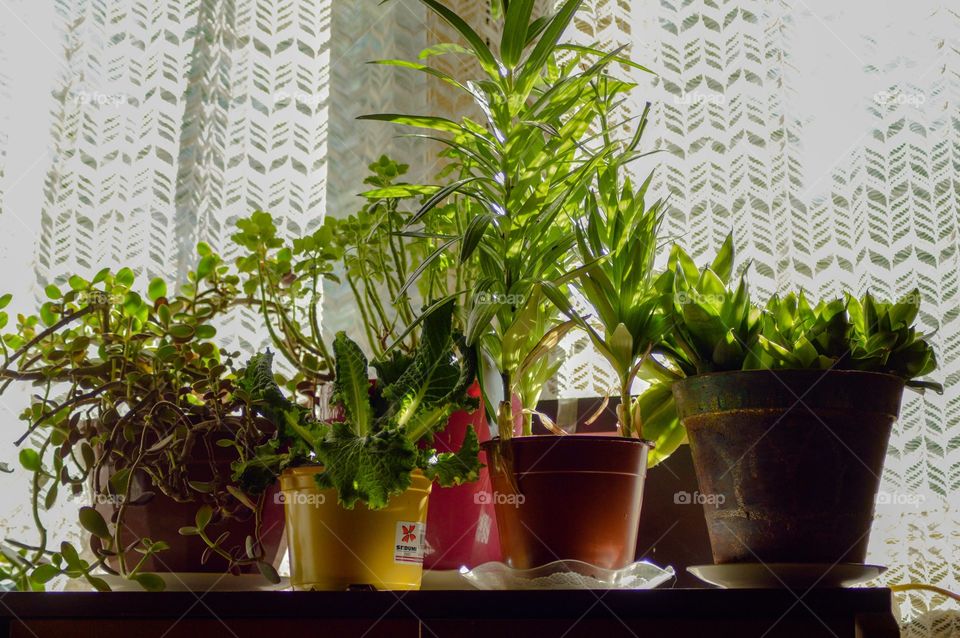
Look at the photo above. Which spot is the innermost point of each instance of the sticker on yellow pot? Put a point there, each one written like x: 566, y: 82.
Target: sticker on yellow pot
x: 408, y: 544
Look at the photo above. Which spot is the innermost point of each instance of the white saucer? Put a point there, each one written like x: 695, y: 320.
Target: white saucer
x: 785, y: 575
x: 443, y: 579
x: 567, y: 574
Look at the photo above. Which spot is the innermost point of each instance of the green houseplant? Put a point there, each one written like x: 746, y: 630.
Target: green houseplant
x: 522, y: 172
x: 788, y: 409
x: 370, y: 253
x: 133, y: 399
x: 361, y: 475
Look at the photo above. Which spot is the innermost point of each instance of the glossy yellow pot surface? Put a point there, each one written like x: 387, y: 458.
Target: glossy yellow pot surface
x: 333, y: 548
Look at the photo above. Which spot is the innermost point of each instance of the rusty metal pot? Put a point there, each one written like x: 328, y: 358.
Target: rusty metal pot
x: 789, y: 461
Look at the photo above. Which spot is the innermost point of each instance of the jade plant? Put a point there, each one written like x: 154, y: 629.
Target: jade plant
x: 382, y: 434
x: 127, y: 386
x: 369, y: 252
x: 716, y: 327
x: 521, y: 171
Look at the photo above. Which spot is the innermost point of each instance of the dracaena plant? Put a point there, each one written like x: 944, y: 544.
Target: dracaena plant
x: 127, y: 385
x: 369, y: 453
x: 521, y: 170
x: 715, y: 327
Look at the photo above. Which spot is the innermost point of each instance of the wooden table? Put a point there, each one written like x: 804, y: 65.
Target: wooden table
x: 673, y: 613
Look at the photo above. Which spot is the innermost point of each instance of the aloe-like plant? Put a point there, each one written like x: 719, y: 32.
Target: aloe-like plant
x: 849, y: 333
x: 521, y: 172
x: 617, y: 242
x: 715, y: 327
x: 368, y: 455
x: 128, y: 385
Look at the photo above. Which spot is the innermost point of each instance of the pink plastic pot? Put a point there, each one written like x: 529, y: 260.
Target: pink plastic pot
x: 461, y: 521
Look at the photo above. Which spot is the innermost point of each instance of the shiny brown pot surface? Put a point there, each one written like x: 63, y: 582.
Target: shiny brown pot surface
x: 573, y: 497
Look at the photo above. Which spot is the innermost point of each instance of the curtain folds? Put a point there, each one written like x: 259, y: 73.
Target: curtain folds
x: 825, y: 136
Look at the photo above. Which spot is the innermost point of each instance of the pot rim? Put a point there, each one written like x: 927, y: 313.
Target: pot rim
x: 582, y: 437
x: 418, y: 478
x: 775, y: 371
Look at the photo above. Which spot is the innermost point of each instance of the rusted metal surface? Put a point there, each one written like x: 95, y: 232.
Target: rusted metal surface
x: 789, y: 463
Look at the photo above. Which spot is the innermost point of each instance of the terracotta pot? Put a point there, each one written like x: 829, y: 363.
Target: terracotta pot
x: 789, y: 462
x: 575, y: 497
x: 162, y: 517
x: 333, y: 548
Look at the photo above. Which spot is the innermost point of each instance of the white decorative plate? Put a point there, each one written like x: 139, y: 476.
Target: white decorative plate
x: 443, y: 579
x: 785, y: 575
x: 567, y: 574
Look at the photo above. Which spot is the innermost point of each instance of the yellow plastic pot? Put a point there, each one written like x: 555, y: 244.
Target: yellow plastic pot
x: 333, y: 548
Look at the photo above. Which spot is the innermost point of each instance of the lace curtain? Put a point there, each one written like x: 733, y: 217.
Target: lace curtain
x: 825, y: 135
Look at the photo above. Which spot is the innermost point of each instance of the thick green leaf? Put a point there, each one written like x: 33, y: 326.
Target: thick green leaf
x: 30, y: 460
x: 352, y: 385
x: 150, y: 582
x: 156, y: 289
x: 370, y: 468
x: 514, y: 37
x: 92, y: 521
x: 473, y: 234
x: 480, y: 48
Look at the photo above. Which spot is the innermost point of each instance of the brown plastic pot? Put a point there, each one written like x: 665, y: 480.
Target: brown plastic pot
x: 161, y: 518
x: 573, y: 497
x: 788, y: 462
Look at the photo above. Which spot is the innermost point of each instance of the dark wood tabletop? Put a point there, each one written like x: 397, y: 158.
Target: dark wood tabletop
x: 675, y: 613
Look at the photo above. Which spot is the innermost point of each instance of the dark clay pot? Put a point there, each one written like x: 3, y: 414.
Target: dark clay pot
x: 571, y: 497
x: 161, y: 518
x: 789, y: 462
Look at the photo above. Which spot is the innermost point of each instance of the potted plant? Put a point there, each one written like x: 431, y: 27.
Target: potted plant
x: 355, y: 486
x: 370, y: 253
x: 522, y: 172
x: 788, y: 409
x: 134, y: 401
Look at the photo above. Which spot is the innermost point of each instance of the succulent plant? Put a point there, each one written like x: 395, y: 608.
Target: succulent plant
x: 714, y: 327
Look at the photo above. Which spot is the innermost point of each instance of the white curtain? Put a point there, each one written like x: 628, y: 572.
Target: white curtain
x: 132, y: 129
x: 825, y: 135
